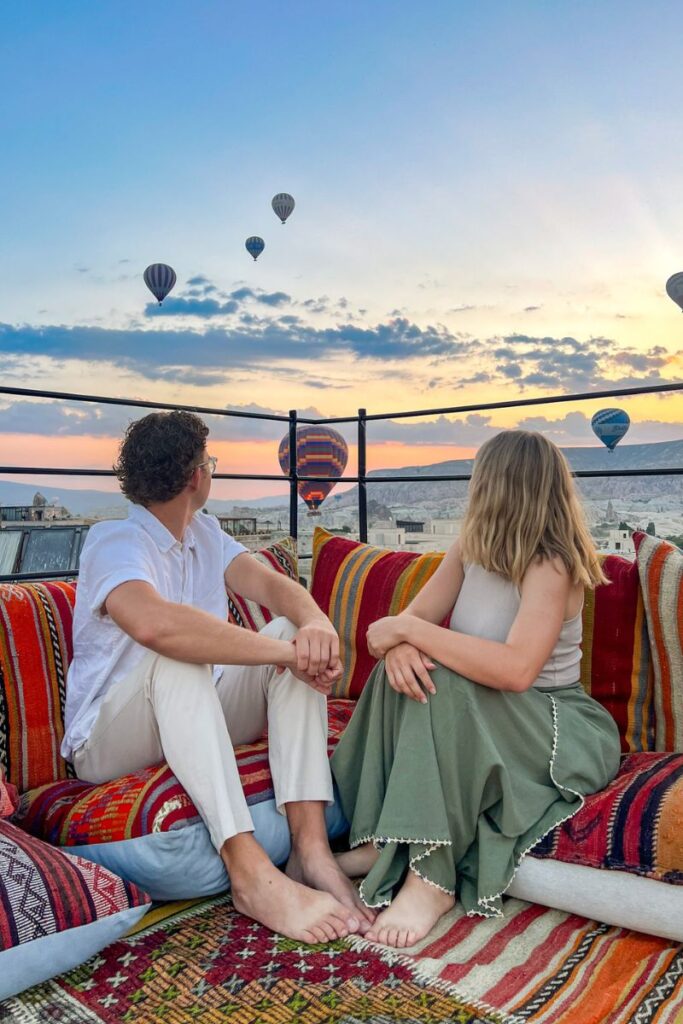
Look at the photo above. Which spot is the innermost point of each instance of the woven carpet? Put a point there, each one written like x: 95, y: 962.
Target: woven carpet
x: 540, y: 966
x: 209, y: 964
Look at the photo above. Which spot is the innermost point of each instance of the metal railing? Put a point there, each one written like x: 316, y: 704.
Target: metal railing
x: 361, y: 419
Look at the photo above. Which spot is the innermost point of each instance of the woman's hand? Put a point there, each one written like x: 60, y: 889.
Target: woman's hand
x: 384, y: 634
x: 407, y: 670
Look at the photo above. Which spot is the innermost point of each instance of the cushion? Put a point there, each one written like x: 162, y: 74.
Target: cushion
x: 355, y: 584
x: 56, y: 910
x: 35, y: 650
x: 633, y: 825
x: 660, y: 565
x: 8, y: 796
x: 614, y: 897
x: 281, y: 557
x: 616, y: 667
x: 145, y: 827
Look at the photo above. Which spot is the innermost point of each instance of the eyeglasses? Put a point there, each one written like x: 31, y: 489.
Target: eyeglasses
x: 211, y: 461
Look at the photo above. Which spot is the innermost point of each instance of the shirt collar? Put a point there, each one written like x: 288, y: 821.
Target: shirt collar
x: 162, y: 537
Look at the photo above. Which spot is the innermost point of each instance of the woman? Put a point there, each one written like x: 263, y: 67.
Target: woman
x: 471, y: 742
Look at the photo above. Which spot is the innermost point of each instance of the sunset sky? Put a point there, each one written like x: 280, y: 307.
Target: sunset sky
x: 488, y: 207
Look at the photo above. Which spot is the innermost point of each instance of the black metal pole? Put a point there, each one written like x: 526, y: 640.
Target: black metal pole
x: 362, y: 469
x: 293, y: 480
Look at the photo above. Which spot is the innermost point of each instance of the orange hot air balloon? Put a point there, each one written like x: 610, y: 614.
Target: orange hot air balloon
x: 320, y: 451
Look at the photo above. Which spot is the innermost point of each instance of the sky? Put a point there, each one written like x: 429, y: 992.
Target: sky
x: 487, y: 208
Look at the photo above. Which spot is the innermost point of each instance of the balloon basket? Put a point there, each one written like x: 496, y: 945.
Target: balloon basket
x: 314, y: 513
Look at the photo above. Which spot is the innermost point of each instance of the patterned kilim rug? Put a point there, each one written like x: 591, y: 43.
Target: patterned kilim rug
x: 209, y: 965
x: 206, y: 963
x: 540, y: 966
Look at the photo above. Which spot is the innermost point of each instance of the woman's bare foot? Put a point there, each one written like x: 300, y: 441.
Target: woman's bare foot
x: 412, y: 915
x: 357, y: 862
x: 284, y: 905
x: 317, y: 868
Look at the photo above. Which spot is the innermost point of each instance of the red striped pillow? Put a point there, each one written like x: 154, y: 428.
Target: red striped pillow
x: 281, y: 557
x: 355, y: 584
x: 660, y: 565
x: 616, y: 667
x: 35, y: 651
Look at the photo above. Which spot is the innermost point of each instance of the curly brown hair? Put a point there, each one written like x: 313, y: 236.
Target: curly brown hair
x: 158, y: 455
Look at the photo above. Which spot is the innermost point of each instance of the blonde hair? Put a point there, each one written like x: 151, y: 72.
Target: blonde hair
x: 523, y: 506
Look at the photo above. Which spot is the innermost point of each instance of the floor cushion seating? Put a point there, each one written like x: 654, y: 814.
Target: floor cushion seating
x: 56, y: 910
x: 142, y: 826
x: 624, y: 837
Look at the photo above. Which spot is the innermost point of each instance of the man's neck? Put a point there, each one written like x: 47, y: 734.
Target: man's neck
x: 175, y: 515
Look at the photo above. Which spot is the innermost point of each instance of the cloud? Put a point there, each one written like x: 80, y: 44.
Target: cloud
x: 179, y: 306
x: 532, y: 309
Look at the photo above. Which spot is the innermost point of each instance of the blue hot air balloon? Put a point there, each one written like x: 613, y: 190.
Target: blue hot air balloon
x: 283, y: 204
x: 610, y: 425
x: 254, y: 246
x: 320, y: 451
x: 674, y: 288
x: 159, y: 278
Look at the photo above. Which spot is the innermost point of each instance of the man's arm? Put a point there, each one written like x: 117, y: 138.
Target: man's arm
x: 317, y: 643
x: 188, y: 634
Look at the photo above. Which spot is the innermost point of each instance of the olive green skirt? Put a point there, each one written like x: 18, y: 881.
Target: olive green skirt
x: 459, y: 789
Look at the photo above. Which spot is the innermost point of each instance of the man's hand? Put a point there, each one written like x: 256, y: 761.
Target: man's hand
x: 317, y: 648
x: 322, y: 681
x: 408, y: 672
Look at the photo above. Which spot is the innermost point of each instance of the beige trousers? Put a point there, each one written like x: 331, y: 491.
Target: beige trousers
x: 170, y: 710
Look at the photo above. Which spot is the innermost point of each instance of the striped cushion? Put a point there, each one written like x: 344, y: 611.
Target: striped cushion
x: 75, y: 813
x: 355, y: 584
x: 661, y: 576
x: 35, y: 650
x: 280, y: 556
x: 45, y: 893
x: 616, y: 668
x: 633, y: 825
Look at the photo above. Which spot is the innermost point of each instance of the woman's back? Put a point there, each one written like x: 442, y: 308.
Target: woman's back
x: 487, y: 606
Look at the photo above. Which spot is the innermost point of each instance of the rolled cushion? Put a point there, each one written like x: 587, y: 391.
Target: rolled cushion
x: 660, y: 565
x: 634, y: 825
x: 145, y: 827
x: 56, y: 910
x: 280, y: 556
x: 355, y: 584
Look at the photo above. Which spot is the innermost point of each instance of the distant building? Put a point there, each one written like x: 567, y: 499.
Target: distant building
x: 410, y: 525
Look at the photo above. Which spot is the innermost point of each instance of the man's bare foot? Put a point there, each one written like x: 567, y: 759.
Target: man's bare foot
x: 284, y: 905
x: 357, y: 862
x: 318, y: 868
x: 412, y: 915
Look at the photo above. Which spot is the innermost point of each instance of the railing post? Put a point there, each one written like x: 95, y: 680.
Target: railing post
x: 293, y: 477
x: 362, y: 491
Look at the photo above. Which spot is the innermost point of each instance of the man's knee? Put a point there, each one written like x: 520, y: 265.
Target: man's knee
x: 169, y: 673
x: 280, y: 629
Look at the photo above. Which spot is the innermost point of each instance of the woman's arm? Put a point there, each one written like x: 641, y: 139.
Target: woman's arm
x: 439, y: 594
x: 513, y: 665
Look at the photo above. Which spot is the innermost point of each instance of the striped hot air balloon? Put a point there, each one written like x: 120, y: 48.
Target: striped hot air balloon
x: 254, y: 246
x: 320, y: 451
x: 610, y: 425
x: 674, y: 289
x: 159, y: 278
x: 283, y: 204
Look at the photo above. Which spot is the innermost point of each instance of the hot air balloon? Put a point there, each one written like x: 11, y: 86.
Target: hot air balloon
x: 283, y: 204
x: 159, y: 278
x: 320, y: 451
x: 674, y: 289
x: 254, y: 246
x: 610, y: 425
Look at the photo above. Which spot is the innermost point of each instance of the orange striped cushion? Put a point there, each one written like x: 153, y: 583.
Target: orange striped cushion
x: 355, y: 584
x: 660, y: 565
x: 35, y: 651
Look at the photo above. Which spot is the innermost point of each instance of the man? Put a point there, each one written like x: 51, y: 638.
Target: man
x: 158, y: 673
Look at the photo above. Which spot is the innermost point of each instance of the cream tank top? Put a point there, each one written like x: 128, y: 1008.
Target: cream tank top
x: 487, y: 606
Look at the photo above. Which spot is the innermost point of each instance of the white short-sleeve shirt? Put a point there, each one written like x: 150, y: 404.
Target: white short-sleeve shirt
x: 137, y: 548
